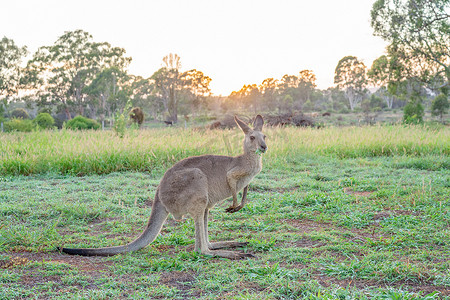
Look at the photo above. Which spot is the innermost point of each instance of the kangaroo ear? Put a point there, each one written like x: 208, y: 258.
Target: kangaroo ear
x: 242, y: 125
x: 258, y: 123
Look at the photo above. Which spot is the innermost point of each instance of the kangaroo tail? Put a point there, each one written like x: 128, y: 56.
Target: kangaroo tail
x: 157, y: 218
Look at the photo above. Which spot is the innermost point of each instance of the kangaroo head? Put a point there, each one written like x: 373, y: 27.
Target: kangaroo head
x: 254, y: 139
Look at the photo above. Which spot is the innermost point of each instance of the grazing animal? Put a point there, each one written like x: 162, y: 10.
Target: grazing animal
x: 137, y: 115
x: 195, y: 185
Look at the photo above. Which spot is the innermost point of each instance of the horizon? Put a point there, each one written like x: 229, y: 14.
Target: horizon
x: 232, y: 46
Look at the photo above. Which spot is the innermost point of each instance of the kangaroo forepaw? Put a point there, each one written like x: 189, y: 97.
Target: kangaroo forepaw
x: 232, y: 209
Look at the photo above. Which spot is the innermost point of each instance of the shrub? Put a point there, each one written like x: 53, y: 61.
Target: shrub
x: 120, y: 121
x: 413, y: 113
x: 20, y: 113
x: 440, y: 106
x: 18, y: 125
x: 44, y: 121
x: 308, y: 106
x: 82, y: 123
x: 45, y: 109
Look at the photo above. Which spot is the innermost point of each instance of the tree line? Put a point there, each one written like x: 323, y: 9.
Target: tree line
x: 79, y: 76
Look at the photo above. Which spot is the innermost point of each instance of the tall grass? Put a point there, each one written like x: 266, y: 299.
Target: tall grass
x: 75, y: 152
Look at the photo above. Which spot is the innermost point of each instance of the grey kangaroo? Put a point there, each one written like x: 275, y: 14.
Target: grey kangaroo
x: 195, y: 185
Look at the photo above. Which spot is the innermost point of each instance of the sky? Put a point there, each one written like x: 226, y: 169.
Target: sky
x: 235, y: 42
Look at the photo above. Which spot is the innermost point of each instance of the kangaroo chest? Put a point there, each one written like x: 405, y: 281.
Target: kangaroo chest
x: 245, y: 180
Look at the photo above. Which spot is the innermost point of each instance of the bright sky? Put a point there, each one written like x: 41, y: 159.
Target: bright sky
x: 235, y: 42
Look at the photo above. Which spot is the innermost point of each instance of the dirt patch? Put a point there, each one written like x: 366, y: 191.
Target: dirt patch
x: 248, y: 285
x: 83, y: 263
x: 183, y: 281
x: 349, y: 191
x: 424, y: 287
x: 307, y: 226
x: 305, y: 242
x: 40, y: 275
x: 382, y: 215
x: 390, y: 213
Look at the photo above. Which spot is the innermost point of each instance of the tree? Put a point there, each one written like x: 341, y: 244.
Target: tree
x: 108, y: 92
x: 419, y: 30
x: 439, y: 106
x: 371, y: 107
x: 386, y: 73
x: 269, y: 91
x: 10, y: 71
x: 350, y: 76
x: 59, y: 73
x: 247, y: 97
x: 306, y: 85
x: 146, y: 95
x: 287, y: 102
x: 168, y: 83
x: 196, y: 86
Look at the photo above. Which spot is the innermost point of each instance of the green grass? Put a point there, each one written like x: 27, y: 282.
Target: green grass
x: 330, y: 216
x: 81, y: 153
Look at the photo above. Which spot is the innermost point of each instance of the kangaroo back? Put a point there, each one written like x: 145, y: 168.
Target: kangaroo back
x: 157, y: 218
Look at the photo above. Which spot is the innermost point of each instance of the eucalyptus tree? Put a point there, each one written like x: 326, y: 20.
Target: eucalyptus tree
x: 196, y: 86
x: 295, y: 90
x: 11, y: 57
x: 60, y: 73
x: 168, y: 83
x: 173, y: 86
x: 419, y: 32
x: 386, y: 74
x: 146, y: 95
x: 109, y: 91
x: 306, y: 86
x: 269, y: 92
x: 350, y: 76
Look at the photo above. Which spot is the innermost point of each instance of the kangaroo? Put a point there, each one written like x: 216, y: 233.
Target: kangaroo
x: 195, y: 185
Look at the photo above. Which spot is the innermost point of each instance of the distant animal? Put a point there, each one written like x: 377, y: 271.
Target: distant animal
x: 215, y: 125
x: 195, y: 185
x: 326, y: 114
x: 168, y: 123
x: 137, y: 116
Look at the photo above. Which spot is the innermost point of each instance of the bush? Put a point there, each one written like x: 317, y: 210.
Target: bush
x: 18, y: 125
x: 413, y: 113
x: 308, y: 106
x: 45, y: 109
x: 44, y: 121
x: 20, y: 113
x: 82, y: 123
x: 440, y: 106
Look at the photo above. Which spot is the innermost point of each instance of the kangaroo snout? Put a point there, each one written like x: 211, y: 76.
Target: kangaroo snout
x: 263, y: 148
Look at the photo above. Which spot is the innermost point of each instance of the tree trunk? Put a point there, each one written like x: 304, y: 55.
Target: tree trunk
x: 173, y: 109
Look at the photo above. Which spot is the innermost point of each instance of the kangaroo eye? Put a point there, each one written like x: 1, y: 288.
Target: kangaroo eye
x: 252, y: 137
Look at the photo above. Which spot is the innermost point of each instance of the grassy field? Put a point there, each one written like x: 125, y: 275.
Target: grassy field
x: 349, y: 213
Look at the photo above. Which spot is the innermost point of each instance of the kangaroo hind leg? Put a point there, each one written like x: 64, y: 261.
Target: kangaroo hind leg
x: 219, y: 245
